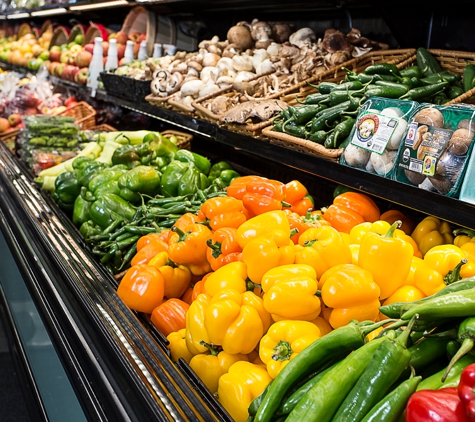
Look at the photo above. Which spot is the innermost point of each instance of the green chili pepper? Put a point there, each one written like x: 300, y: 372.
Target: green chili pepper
x: 340, y: 132
x: 338, y: 97
x: 395, y: 310
x: 411, y: 72
x: 348, y: 86
x: 396, y: 91
x: 295, y: 129
x: 322, y: 119
x: 454, y: 92
x: 385, y: 367
x: 427, y: 350
x: 325, y: 87
x: 254, y: 406
x: 392, y: 406
x: 382, y: 69
x: 434, y: 382
x: 427, y: 62
x: 424, y: 91
x: 466, y: 336
x: 319, y: 136
x: 314, y: 356
x: 322, y: 401
x: 467, y: 76
x: 315, y: 98
x: 305, y: 113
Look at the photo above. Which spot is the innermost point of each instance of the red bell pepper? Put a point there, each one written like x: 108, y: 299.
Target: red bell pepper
x: 442, y: 405
x: 466, y: 391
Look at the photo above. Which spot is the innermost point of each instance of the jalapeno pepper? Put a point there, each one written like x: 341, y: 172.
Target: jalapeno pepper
x: 339, y: 133
x: 382, y: 69
x: 422, y: 92
x: 468, y: 76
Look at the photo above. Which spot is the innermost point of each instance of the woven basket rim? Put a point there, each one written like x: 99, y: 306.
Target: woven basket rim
x: 312, y: 146
x: 180, y: 105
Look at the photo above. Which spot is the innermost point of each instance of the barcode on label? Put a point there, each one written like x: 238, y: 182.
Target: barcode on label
x: 378, y: 148
x: 417, y: 167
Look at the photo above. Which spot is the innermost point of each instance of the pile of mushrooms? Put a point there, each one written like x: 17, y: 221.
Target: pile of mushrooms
x: 283, y: 57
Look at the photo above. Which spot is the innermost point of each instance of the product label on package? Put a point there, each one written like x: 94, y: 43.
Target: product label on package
x: 423, y: 146
x: 373, y: 131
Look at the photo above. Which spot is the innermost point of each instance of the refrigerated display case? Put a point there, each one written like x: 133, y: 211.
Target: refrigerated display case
x: 86, y: 356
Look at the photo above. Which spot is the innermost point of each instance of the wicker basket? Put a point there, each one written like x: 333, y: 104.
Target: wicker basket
x: 9, y: 137
x: 183, y: 139
x: 301, y: 145
x: 161, y: 102
x: 125, y: 87
x: 141, y: 20
x: 83, y: 113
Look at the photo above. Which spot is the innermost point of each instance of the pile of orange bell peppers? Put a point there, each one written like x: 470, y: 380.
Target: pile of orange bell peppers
x: 255, y: 276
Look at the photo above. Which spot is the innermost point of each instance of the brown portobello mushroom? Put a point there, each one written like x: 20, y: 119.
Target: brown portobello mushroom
x: 460, y: 141
x: 430, y: 116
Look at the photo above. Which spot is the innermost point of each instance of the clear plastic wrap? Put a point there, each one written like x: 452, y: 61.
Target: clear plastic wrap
x: 439, y: 139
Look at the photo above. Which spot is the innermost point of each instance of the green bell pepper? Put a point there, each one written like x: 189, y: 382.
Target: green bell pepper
x: 67, y: 187
x: 89, y: 229
x: 81, y: 211
x: 105, y: 176
x: 224, y: 178
x: 202, y: 163
x: 161, y: 145
x: 171, y: 176
x: 110, y: 207
x: 88, y: 171
x: 141, y: 180
x: 217, y: 168
x: 192, y: 181
x: 81, y: 161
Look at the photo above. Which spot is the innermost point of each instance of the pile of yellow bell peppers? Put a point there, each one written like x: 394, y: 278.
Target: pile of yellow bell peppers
x: 265, y: 281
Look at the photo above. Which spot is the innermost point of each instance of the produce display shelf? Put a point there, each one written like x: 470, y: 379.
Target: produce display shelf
x: 449, y: 209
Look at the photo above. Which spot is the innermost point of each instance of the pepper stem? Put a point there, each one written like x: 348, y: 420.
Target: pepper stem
x: 213, y: 348
x: 466, y: 232
x: 215, y: 247
x: 182, y: 235
x: 466, y: 346
x: 454, y: 275
x: 282, y: 351
x: 402, y: 339
x: 367, y: 328
x: 392, y: 229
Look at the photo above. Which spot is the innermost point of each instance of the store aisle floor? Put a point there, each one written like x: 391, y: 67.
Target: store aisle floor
x: 12, y: 402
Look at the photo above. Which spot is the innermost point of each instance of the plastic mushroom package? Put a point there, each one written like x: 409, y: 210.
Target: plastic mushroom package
x: 435, y: 151
x: 375, y: 139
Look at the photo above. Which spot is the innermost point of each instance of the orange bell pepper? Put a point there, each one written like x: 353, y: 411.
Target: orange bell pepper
x: 170, y: 316
x: 298, y: 198
x: 188, y: 246
x: 300, y: 223
x: 408, y: 225
x: 223, y: 211
x: 350, y: 209
x: 149, y: 248
x: 223, y: 248
x: 360, y: 203
x: 260, y: 194
x: 187, y: 297
x: 142, y: 288
x: 176, y: 277
x: 238, y: 187
x: 163, y: 236
x: 323, y: 248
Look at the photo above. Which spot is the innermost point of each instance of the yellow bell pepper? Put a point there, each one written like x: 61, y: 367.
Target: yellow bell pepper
x: 442, y: 265
x: 355, y: 251
x: 416, y: 261
x: 406, y: 293
x: 176, y: 277
x: 196, y: 332
x: 430, y: 232
x: 261, y: 225
x: 267, y: 252
x: 351, y: 293
x: 322, y: 325
x: 283, y: 341
x: 210, y: 367
x: 323, y: 248
x: 177, y: 346
x: 230, y: 276
x: 243, y: 382
x: 381, y: 227
x: 290, y: 292
x: 357, y: 232
x: 465, y: 240
x: 387, y: 258
x: 236, y: 321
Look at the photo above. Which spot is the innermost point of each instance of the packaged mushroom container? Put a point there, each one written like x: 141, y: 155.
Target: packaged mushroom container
x: 435, y: 151
x: 377, y: 134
